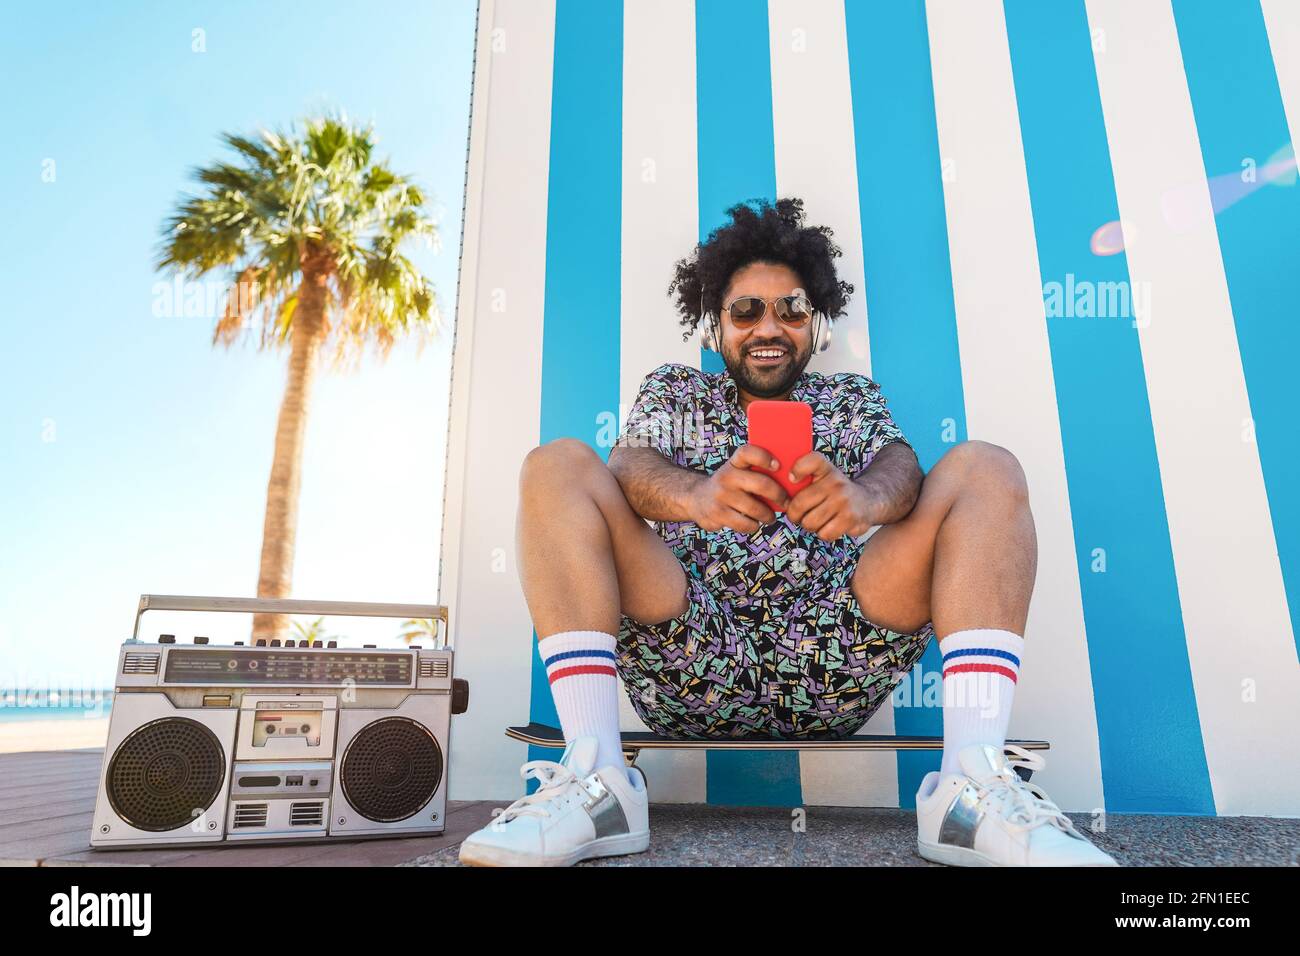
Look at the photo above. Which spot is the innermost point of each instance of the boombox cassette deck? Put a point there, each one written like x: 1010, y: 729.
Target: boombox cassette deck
x: 281, y: 741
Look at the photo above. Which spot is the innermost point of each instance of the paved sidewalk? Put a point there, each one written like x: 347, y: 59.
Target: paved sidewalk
x: 47, y: 802
x: 699, y: 835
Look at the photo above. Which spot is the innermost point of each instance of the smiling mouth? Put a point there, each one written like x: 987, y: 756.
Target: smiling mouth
x: 763, y: 357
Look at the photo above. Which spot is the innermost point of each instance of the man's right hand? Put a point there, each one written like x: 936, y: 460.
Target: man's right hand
x: 728, y: 497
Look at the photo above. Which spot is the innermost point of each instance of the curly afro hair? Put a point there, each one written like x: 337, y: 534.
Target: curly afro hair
x: 759, y: 231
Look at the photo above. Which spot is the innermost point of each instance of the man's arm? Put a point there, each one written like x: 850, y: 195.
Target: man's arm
x: 892, y: 482
x: 657, y: 489
x: 835, y: 504
x: 660, y: 490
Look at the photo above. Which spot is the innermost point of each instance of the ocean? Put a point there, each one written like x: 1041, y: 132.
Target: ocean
x: 32, y: 705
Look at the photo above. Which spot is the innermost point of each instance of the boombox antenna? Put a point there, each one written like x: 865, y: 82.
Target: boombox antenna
x: 176, y: 602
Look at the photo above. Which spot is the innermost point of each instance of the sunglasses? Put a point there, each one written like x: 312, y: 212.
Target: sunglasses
x: 748, y: 310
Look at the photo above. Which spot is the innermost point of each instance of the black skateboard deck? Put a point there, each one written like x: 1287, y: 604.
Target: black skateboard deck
x: 541, y: 735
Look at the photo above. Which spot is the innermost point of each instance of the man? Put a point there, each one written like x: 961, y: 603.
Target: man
x: 727, y: 619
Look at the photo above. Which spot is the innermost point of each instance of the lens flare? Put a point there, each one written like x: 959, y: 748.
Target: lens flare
x: 1181, y: 204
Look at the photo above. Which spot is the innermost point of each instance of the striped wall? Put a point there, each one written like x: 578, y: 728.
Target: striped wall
x: 1074, y: 229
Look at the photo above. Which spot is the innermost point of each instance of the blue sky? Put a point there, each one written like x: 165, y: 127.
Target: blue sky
x: 134, y: 455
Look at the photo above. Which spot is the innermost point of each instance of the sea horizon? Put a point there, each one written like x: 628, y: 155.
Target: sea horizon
x: 17, y: 704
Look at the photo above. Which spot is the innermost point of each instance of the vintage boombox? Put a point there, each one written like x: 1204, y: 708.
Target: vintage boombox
x: 277, y: 740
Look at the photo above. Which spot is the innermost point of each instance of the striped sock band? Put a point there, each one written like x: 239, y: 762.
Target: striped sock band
x: 984, y: 656
x: 584, y: 685
x: 980, y: 671
x: 593, y: 657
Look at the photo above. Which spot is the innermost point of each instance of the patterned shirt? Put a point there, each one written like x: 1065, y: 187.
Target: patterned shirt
x: 693, y: 418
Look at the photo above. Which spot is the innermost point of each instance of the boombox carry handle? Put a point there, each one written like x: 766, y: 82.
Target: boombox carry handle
x: 175, y: 602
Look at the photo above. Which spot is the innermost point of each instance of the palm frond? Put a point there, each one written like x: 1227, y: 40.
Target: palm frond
x: 419, y: 628
x: 285, y: 201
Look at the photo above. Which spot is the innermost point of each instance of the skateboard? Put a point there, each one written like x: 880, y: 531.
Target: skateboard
x: 540, y: 735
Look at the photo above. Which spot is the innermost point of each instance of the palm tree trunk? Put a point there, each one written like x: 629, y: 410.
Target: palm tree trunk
x: 280, y: 528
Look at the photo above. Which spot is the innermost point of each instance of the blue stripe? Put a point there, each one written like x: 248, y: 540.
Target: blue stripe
x: 733, y: 97
x: 982, y: 652
x: 912, y: 320
x: 1239, y: 115
x: 580, y: 341
x: 1152, y: 755
x: 569, y: 655
x: 737, y: 161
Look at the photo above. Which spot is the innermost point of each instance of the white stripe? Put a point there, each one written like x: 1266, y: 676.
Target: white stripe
x: 659, y: 226
x: 982, y: 659
x: 1225, y: 556
x: 583, y: 660
x: 1007, y: 370
x: 503, y: 271
x: 1282, y: 20
x: 812, y: 117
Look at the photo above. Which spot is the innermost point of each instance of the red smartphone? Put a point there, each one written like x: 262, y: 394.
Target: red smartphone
x: 785, y: 430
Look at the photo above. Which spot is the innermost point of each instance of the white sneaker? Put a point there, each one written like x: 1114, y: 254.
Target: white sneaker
x: 989, y: 816
x: 576, y: 813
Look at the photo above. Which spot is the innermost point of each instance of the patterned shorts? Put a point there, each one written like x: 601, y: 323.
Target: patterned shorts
x: 813, y: 666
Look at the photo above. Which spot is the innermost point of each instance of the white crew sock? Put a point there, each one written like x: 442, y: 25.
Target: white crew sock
x: 584, y: 684
x: 980, y: 669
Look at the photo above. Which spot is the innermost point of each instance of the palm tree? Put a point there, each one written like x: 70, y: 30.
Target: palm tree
x: 418, y: 628
x: 311, y: 226
x: 315, y: 631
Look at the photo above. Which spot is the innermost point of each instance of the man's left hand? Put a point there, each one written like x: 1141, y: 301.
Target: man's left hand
x: 833, y: 505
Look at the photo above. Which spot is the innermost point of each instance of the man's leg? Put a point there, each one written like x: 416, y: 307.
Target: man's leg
x: 965, y: 558
x: 585, y: 559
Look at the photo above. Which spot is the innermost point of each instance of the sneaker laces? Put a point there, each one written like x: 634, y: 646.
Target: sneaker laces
x: 1021, y: 804
x: 552, y: 778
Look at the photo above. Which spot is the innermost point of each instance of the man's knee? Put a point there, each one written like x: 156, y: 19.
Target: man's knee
x: 561, y: 462
x: 987, y: 467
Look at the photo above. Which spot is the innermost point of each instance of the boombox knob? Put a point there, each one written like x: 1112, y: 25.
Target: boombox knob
x: 459, y: 695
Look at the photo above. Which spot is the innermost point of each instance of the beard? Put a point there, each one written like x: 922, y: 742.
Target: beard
x: 769, y: 382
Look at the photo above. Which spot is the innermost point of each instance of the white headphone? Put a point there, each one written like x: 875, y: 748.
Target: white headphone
x: 710, y: 332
